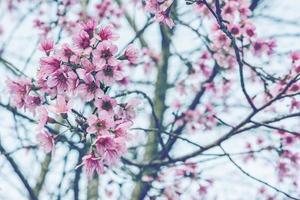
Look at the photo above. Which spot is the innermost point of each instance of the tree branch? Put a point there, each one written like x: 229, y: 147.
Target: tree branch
x: 19, y: 173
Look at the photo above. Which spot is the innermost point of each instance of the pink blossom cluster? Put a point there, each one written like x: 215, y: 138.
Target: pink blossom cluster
x: 68, y: 16
x: 83, y: 71
x: 236, y: 19
x: 295, y: 58
x: 175, y: 186
x: 291, y: 73
x: 107, y: 9
x: 286, y: 158
x: 199, y: 118
x: 161, y: 10
x: 236, y: 23
x: 150, y: 59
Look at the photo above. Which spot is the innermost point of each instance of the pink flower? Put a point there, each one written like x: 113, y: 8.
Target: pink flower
x: 90, y: 89
x: 61, y: 106
x: 106, y: 33
x: 128, y: 111
x: 32, y: 102
x: 67, y: 54
x: 295, y: 56
x: 103, y: 143
x: 271, y: 45
x: 260, y: 46
x: 109, y: 74
x: 62, y: 79
x: 46, y: 45
x: 249, y: 30
x: 176, y: 105
x: 161, y: 10
x: 68, y: 3
x: 43, y: 117
x: 165, y: 19
x: 106, y: 103
x: 229, y: 10
x: 121, y: 129
x: 20, y: 86
x: 82, y: 42
x: 87, y: 66
x: 105, y: 53
x: 131, y: 54
x: 106, y: 9
x: 91, y: 164
x: 100, y: 125
x: 124, y: 81
x: 110, y: 148
x: 220, y: 40
x: 152, y: 6
x: 89, y: 27
x: 46, y: 141
x: 245, y: 11
x: 49, y: 65
x: 235, y: 30
x: 19, y: 89
x: 112, y: 155
x: 204, y: 69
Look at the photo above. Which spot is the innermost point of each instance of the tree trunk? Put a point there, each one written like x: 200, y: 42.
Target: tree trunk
x: 92, y: 188
x: 44, y: 167
x: 141, y: 188
x: 42, y: 176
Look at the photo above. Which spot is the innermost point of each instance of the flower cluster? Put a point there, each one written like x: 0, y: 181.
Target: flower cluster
x: 161, y: 10
x: 236, y: 20
x: 107, y: 9
x: 232, y: 32
x: 176, y: 186
x: 83, y: 72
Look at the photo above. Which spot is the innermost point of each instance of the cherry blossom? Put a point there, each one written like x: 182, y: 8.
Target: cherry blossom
x: 100, y: 125
x: 107, y: 33
x: 131, y: 54
x: 46, y: 45
x: 89, y: 89
x: 109, y: 74
x: 127, y: 101
x: 92, y: 164
x: 46, y: 141
x: 105, y: 54
x: 106, y: 103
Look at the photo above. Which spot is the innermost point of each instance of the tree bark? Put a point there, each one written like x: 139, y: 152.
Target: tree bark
x: 141, y: 188
x: 45, y: 167
x: 42, y: 176
x: 92, y: 188
x: 19, y: 173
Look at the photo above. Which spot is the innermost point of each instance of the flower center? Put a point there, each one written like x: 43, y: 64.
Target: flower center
x: 37, y: 100
x: 106, y: 105
x: 257, y: 46
x: 108, y: 71
x: 68, y: 53
x: 61, y: 78
x: 100, y: 125
x: 85, y: 43
x: 92, y: 87
x: 106, y: 54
